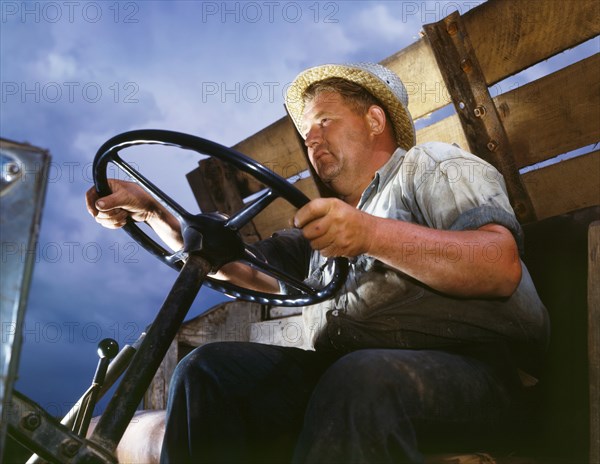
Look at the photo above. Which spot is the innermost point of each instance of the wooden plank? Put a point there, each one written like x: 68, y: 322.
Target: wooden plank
x: 555, y: 114
x: 447, y: 130
x: 277, y: 312
x: 416, y: 67
x: 550, y: 188
x: 279, y: 214
x: 218, y: 190
x: 511, y: 35
x: 157, y: 393
x: 277, y: 148
x: 288, y: 331
x: 226, y: 322
x: 418, y: 70
x: 565, y: 186
x: 473, y: 103
x: 594, y: 338
x: 551, y: 116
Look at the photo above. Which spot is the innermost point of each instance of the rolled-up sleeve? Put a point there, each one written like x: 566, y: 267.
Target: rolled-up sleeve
x: 449, y: 188
x: 287, y: 250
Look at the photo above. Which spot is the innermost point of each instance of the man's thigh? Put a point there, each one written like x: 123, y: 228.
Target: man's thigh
x: 256, y: 371
x: 385, y: 404
x: 239, y: 401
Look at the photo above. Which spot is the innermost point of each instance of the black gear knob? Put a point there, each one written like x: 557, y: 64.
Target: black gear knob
x: 108, y: 348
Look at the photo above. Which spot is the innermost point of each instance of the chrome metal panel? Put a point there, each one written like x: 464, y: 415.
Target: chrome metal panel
x: 23, y: 179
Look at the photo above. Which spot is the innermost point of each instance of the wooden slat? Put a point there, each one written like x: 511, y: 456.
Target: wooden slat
x: 473, y: 103
x: 279, y: 214
x: 511, y: 35
x: 288, y: 331
x: 594, y: 337
x: 216, y: 187
x: 551, y: 116
x: 277, y: 148
x: 565, y: 186
x: 416, y: 67
x: 555, y: 114
x: 226, y: 322
x: 555, y: 189
x: 418, y: 70
x: 447, y: 130
x: 157, y: 393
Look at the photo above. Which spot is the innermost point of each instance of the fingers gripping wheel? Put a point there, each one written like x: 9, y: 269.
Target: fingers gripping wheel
x: 213, y: 235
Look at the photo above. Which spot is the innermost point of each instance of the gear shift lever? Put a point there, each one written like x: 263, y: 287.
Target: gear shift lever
x: 107, y: 350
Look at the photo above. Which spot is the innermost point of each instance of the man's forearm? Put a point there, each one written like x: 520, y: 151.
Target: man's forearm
x: 474, y: 263
x: 167, y: 227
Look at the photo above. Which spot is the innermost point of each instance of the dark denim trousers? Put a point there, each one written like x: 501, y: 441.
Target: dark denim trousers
x: 233, y: 402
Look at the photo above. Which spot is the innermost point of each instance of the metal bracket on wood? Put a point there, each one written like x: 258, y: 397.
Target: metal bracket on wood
x: 475, y: 108
x: 33, y: 427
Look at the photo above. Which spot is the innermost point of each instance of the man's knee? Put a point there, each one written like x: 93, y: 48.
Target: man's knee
x: 203, y: 362
x: 364, y: 369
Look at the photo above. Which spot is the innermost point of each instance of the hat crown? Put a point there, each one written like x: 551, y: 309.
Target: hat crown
x: 378, y: 80
x: 388, y: 77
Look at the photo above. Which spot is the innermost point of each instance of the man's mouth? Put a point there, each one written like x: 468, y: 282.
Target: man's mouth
x: 318, y: 154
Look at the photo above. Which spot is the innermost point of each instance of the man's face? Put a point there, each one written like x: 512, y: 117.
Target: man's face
x: 337, y: 140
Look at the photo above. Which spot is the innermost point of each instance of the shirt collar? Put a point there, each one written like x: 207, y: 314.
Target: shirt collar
x: 383, y: 175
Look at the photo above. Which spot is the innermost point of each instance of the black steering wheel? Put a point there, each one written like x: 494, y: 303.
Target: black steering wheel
x: 215, y: 236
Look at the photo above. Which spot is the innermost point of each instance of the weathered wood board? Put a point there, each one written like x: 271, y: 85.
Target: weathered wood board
x: 565, y: 186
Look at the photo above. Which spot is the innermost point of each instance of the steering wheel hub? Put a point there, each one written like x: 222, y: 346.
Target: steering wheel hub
x: 208, y: 235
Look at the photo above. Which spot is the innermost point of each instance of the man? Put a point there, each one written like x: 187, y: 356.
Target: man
x: 423, y: 345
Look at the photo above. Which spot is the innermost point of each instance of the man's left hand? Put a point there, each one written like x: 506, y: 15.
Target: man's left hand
x: 334, y: 228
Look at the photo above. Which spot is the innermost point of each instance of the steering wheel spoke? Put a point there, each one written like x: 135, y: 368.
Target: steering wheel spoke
x: 157, y: 193
x: 276, y: 273
x: 245, y: 215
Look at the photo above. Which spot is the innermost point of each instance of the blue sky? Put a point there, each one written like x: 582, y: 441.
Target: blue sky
x: 76, y: 73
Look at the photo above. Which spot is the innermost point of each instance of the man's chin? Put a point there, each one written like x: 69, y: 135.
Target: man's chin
x: 327, y: 172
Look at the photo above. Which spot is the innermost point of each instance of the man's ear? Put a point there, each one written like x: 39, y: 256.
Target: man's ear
x: 376, y: 119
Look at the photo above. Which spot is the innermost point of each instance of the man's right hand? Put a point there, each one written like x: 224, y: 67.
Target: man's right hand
x: 126, y: 200
x: 130, y: 200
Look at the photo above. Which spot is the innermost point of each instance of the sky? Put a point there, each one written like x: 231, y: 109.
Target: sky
x: 75, y: 73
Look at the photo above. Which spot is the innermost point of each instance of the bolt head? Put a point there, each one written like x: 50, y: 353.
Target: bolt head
x: 466, y: 65
x: 492, y: 145
x: 31, y: 421
x: 69, y: 447
x: 10, y: 172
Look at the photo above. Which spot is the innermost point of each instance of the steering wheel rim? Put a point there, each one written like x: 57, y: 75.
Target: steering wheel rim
x: 212, y: 224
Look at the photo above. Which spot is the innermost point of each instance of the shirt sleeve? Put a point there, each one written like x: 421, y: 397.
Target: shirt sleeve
x: 286, y: 250
x: 449, y: 188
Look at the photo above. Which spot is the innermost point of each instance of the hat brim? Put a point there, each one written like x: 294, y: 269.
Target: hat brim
x: 402, y: 122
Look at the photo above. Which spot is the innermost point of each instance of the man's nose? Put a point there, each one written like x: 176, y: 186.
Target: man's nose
x: 313, y: 136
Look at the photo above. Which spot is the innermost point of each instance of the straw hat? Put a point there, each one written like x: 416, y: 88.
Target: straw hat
x: 378, y: 80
